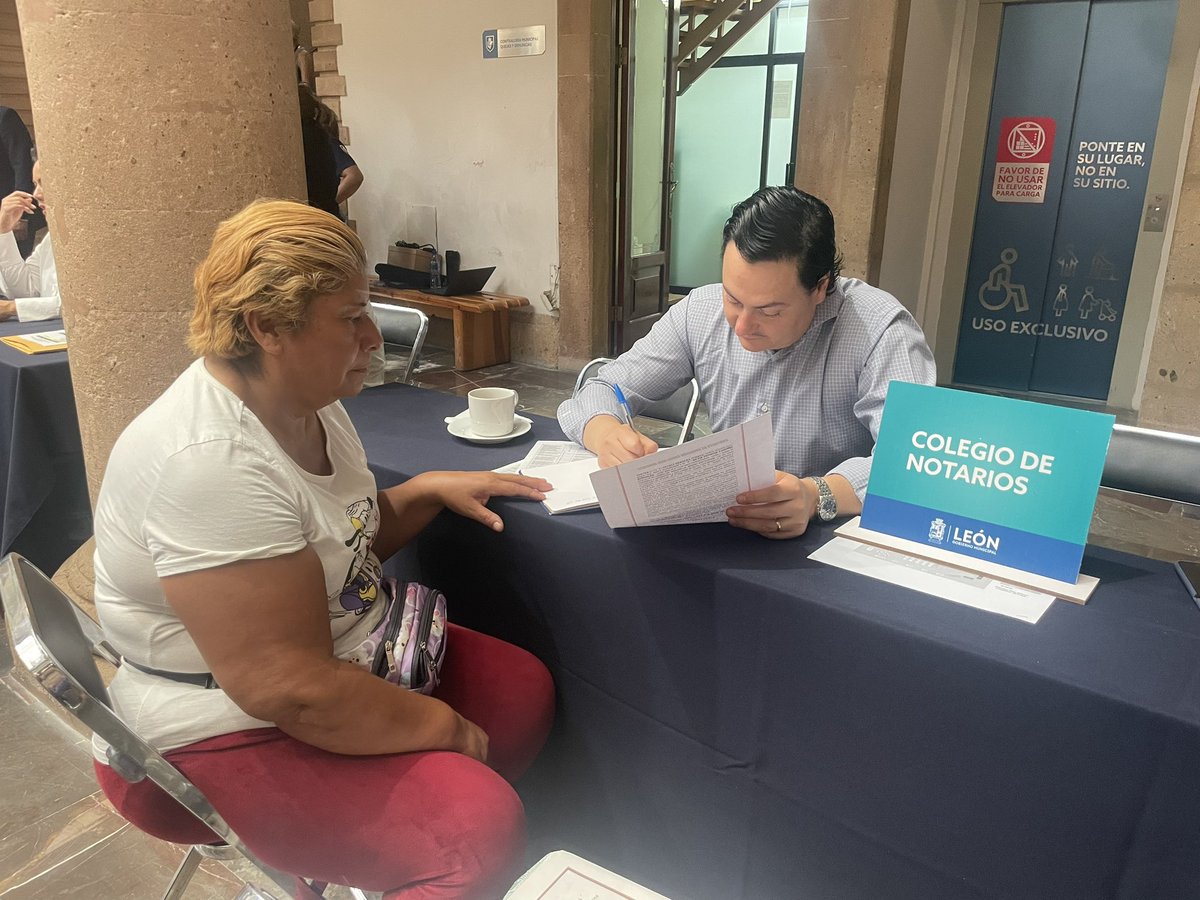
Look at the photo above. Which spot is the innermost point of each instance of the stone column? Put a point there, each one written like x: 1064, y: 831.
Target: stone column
x: 1173, y: 375
x: 848, y: 108
x: 585, y: 178
x: 156, y: 120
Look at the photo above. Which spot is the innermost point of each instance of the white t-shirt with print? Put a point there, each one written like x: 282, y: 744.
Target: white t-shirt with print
x: 196, y: 481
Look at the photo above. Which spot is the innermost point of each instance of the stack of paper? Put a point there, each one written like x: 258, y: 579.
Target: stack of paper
x: 38, y: 341
x: 572, y: 484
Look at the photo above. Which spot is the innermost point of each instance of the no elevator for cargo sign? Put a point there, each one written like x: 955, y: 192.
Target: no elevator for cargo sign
x: 1023, y: 160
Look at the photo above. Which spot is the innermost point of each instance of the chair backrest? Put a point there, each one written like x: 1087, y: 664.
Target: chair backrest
x: 48, y: 641
x: 402, y: 326
x: 1155, y: 463
x: 679, y: 408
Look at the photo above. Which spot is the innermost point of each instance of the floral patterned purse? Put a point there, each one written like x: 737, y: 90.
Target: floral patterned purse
x: 408, y: 645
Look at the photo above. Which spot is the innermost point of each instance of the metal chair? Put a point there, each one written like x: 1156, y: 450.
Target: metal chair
x: 402, y: 327
x: 679, y: 408
x: 48, y: 640
x: 1154, y: 463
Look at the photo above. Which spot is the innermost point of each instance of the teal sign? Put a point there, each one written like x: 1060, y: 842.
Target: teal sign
x: 1007, y: 481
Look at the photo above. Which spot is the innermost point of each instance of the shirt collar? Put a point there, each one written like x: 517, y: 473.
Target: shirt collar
x: 826, y: 311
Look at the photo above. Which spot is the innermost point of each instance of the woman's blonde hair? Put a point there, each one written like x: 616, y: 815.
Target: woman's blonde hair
x: 274, y: 258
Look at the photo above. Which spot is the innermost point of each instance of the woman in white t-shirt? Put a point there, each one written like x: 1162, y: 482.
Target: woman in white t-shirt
x: 239, y: 535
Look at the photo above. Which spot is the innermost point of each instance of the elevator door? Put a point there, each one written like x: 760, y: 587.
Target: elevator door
x: 1075, y: 107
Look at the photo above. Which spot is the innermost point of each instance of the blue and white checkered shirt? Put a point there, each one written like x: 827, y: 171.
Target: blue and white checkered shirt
x: 825, y: 392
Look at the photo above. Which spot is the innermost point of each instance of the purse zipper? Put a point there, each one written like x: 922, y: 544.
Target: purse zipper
x: 389, y: 636
x: 423, y: 627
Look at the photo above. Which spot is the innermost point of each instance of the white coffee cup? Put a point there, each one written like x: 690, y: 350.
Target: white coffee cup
x: 493, y: 410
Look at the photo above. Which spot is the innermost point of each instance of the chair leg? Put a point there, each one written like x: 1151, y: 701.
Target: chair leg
x: 183, y: 875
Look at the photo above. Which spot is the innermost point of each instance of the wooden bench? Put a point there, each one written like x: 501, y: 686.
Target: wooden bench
x: 480, y: 321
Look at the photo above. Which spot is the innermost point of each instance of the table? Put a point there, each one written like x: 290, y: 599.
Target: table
x: 480, y: 320
x: 737, y: 721
x: 44, y: 508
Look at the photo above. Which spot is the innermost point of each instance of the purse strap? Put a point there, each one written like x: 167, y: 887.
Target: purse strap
x: 198, y: 679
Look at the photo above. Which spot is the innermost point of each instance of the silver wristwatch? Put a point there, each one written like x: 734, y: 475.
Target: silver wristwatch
x: 826, y: 502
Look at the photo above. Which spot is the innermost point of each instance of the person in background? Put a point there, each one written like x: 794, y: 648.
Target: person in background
x: 350, y: 176
x: 318, y: 128
x: 240, y: 535
x: 16, y: 173
x: 782, y: 333
x: 327, y: 179
x: 31, y: 285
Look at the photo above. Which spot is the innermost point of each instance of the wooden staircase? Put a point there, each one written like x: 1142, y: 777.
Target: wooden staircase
x: 708, y: 29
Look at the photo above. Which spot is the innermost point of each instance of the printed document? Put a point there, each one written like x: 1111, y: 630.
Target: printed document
x: 938, y: 579
x: 547, y: 453
x: 561, y: 875
x: 694, y: 482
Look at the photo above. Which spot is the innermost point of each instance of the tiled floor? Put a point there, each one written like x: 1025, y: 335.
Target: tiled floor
x: 59, y: 838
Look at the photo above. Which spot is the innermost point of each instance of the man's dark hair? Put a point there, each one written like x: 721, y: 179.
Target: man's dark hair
x: 784, y: 222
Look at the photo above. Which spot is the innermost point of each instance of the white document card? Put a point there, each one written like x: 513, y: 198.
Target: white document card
x: 694, y: 482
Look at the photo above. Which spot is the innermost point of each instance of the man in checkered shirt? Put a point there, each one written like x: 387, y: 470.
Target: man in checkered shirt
x: 782, y: 333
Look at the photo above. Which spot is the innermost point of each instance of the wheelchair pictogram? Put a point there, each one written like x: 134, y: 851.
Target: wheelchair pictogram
x: 999, y: 290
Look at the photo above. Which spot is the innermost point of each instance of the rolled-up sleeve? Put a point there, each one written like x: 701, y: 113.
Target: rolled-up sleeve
x: 38, y: 309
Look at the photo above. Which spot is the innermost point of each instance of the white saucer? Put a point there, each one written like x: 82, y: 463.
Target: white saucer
x: 460, y: 426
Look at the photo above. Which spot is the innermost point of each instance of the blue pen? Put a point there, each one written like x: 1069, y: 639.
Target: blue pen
x: 625, y: 404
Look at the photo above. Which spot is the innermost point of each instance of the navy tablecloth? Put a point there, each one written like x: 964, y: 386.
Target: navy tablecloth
x: 44, y: 511
x: 738, y: 721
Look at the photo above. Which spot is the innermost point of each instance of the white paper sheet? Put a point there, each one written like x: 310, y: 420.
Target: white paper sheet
x: 694, y: 482
x: 564, y: 876
x: 47, y: 338
x: 929, y: 577
x: 572, y: 484
x: 548, y: 453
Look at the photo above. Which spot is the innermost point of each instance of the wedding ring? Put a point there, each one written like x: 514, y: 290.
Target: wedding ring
x: 778, y: 527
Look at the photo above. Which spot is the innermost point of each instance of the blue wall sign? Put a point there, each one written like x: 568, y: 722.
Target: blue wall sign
x: 1049, y: 272
x: 1007, y: 481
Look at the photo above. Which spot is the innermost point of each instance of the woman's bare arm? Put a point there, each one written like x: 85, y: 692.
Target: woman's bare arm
x: 408, y: 507
x: 262, y: 626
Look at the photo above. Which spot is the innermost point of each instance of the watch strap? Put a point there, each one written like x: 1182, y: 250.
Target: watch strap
x: 827, y: 507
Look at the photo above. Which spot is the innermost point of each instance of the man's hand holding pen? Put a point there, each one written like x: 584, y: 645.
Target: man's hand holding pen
x: 615, y: 442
